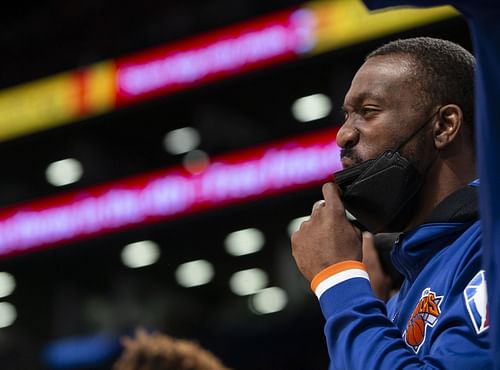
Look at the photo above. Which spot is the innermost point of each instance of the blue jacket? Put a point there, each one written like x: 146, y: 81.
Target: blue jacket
x: 439, y: 318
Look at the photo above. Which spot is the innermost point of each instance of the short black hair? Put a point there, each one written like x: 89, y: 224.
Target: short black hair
x: 444, y: 71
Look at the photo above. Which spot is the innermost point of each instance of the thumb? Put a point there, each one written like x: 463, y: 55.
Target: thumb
x: 331, y: 194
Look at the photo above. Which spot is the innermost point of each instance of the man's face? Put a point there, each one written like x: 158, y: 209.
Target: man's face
x: 380, y: 111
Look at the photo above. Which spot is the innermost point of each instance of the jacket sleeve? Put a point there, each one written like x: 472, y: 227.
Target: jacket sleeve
x: 360, y: 335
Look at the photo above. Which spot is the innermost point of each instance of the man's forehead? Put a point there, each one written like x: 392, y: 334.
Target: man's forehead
x: 380, y: 78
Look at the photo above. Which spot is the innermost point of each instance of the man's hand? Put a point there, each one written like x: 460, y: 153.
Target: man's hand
x: 379, y: 280
x: 327, y: 237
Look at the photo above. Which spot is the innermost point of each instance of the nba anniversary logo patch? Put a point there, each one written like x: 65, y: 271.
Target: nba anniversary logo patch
x: 425, y: 314
x: 476, y: 300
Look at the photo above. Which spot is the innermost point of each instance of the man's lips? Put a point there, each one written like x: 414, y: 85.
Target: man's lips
x: 347, y: 162
x: 349, y: 157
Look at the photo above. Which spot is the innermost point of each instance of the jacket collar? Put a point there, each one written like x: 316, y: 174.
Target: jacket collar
x: 412, y: 250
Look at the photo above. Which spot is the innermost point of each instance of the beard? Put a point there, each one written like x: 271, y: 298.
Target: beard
x: 415, y: 151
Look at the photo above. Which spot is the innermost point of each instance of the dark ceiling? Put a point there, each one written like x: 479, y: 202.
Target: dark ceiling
x: 39, y: 38
x: 83, y: 289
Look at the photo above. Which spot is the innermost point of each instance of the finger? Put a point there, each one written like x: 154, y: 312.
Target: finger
x: 370, y: 257
x: 319, y: 204
x: 368, y: 239
x: 332, y: 197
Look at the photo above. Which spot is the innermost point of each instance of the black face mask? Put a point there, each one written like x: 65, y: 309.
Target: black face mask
x: 378, y: 193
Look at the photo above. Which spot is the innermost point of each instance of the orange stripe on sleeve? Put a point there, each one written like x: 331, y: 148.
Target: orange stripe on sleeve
x: 335, y: 269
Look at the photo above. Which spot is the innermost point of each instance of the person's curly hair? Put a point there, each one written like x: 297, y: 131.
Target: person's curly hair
x: 161, y: 352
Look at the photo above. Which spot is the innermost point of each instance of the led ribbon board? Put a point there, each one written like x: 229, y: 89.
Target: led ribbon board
x: 314, y: 28
x: 229, y: 179
x: 105, y: 86
x: 235, y: 50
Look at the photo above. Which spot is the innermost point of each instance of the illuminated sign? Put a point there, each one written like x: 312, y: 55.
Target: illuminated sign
x: 342, y: 23
x: 316, y: 27
x: 57, y: 100
x: 232, y: 51
x: 229, y: 179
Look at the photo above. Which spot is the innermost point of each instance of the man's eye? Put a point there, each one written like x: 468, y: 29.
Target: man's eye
x: 367, y: 110
x: 345, y: 114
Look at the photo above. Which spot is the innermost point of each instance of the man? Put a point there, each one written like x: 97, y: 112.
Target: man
x: 160, y: 352
x: 407, y: 136
x: 482, y: 16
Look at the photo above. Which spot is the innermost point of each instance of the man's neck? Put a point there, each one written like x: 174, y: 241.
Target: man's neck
x: 441, y: 180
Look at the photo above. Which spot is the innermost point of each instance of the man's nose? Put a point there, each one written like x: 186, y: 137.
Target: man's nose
x: 347, y: 136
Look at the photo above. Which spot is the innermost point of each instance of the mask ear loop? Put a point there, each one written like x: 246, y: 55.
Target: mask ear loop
x: 426, y: 169
x: 417, y: 130
x: 437, y: 151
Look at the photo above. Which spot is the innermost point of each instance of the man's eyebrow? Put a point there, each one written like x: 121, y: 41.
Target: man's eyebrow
x: 369, y: 95
x: 358, y: 99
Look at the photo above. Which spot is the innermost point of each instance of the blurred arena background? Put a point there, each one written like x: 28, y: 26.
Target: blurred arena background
x: 115, y: 116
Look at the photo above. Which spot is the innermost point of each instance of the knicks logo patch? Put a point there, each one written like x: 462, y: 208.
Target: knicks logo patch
x: 476, y: 300
x: 425, y: 314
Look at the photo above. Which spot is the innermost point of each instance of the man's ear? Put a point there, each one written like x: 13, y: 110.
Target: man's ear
x: 447, y: 125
